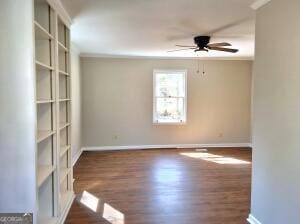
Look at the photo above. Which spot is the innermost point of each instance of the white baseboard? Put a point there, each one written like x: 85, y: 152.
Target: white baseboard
x: 252, y: 220
x: 134, y: 147
x: 76, y: 157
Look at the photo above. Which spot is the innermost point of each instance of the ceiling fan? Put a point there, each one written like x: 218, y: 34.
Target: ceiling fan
x: 202, y: 43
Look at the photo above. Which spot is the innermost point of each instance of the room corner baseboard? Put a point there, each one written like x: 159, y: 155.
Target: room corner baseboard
x: 134, y: 147
x: 252, y: 220
x: 76, y: 157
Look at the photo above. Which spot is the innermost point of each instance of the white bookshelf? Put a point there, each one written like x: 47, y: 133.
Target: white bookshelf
x: 64, y: 100
x: 64, y: 172
x: 63, y: 73
x: 63, y: 125
x: 66, y: 175
x: 42, y: 135
x: 64, y: 149
x: 66, y: 196
x: 41, y: 33
x: 44, y: 172
x: 45, y: 101
x: 41, y: 66
x: 62, y: 47
x: 53, y: 103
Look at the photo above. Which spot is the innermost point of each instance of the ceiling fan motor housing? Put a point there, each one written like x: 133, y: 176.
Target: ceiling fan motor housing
x: 202, y: 41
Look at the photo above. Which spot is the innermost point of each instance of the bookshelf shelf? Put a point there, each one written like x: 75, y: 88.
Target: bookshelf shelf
x: 41, y: 33
x: 62, y: 47
x: 44, y: 101
x: 63, y: 150
x: 64, y: 173
x: 63, y: 73
x: 63, y: 125
x: 43, y: 173
x: 64, y: 100
x: 43, y: 66
x: 42, y: 135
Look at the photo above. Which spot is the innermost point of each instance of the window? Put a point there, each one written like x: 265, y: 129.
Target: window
x: 169, y: 96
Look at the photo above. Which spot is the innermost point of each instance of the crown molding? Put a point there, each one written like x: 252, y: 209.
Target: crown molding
x: 259, y: 3
x: 63, y: 14
x: 93, y: 55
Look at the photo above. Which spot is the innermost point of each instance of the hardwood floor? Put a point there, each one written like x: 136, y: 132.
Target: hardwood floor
x: 167, y: 186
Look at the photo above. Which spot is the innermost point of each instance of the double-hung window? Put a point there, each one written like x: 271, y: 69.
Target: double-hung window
x: 169, y: 96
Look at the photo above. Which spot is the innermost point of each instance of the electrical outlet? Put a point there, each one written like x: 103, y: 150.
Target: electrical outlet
x: 220, y: 135
x: 115, y: 137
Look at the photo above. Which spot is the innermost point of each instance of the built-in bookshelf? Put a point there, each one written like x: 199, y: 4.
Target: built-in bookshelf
x: 64, y: 101
x: 53, y: 114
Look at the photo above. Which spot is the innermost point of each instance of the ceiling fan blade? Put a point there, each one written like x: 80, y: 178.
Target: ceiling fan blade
x: 228, y: 26
x: 223, y: 49
x: 185, y: 49
x: 196, y: 31
x: 223, y: 44
x: 184, y: 45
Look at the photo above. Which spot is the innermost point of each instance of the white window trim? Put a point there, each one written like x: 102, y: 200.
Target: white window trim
x: 154, y: 120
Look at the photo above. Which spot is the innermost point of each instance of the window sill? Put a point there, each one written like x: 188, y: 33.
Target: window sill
x: 169, y: 123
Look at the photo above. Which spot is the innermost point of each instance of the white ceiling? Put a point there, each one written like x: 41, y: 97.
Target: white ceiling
x: 152, y: 27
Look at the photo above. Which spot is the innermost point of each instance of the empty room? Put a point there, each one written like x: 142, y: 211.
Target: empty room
x: 149, y: 112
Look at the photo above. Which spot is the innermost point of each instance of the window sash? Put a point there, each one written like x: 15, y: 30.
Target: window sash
x: 180, y: 87
x: 183, y: 118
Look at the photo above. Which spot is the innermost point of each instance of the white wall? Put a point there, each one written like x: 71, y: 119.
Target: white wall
x: 117, y: 103
x: 17, y: 113
x: 276, y: 110
x: 76, y: 103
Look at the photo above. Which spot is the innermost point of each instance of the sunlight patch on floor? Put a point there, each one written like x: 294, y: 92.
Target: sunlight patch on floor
x: 214, y: 158
x: 108, y: 212
x: 167, y: 171
x: 89, y: 201
x: 113, y: 215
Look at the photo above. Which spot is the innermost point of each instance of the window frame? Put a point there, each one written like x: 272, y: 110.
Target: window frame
x: 154, y: 114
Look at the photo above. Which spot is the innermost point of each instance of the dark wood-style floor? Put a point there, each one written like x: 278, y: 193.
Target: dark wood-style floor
x: 167, y: 186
